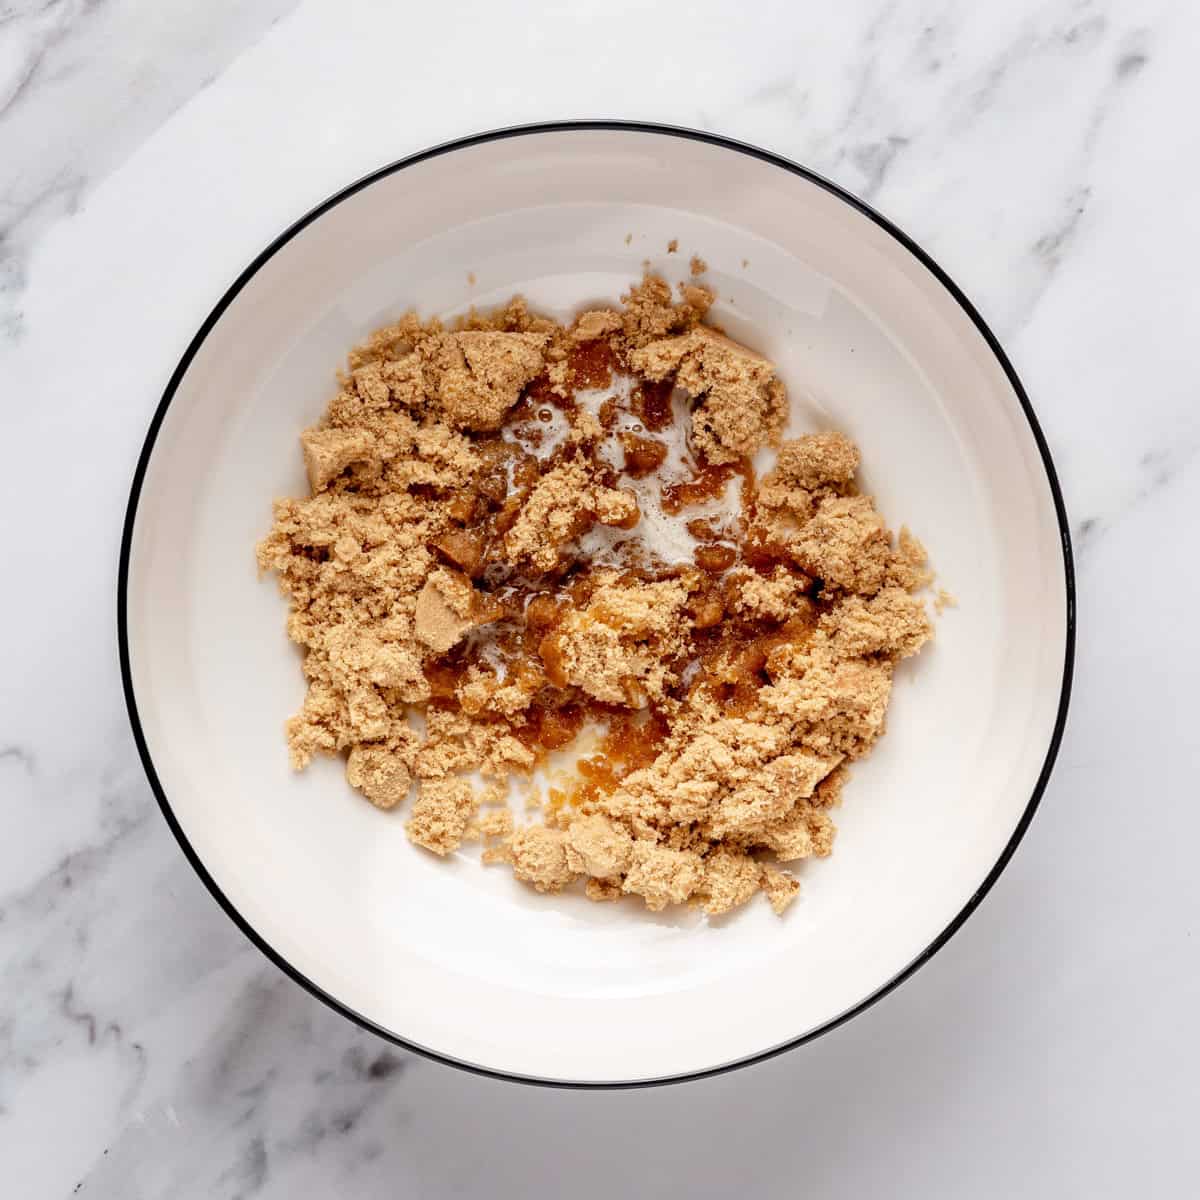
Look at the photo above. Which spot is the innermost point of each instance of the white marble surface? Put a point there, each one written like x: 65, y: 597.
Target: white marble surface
x: 1045, y: 153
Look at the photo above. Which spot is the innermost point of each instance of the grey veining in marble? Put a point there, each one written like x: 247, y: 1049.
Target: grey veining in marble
x: 1042, y: 152
x: 82, y: 83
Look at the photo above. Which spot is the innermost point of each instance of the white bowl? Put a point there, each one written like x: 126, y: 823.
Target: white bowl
x: 459, y: 961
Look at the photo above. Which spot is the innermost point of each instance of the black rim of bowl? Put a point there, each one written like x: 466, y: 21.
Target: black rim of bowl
x: 570, y: 127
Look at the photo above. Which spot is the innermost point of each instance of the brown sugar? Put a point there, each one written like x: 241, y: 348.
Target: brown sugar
x: 779, y: 887
x: 447, y: 607
x: 474, y: 586
x: 741, y: 405
x: 595, y: 324
x: 441, y: 813
x: 477, y: 376
x: 598, y: 847
x: 660, y: 875
x: 773, y: 596
x: 845, y: 543
x: 498, y: 823
x: 328, y: 452
x: 730, y: 879
x: 456, y: 741
x: 539, y: 857
x: 564, y: 503
x: 892, y: 622
x: 650, y: 313
x: 819, y: 460
x: 382, y: 773
x: 619, y: 648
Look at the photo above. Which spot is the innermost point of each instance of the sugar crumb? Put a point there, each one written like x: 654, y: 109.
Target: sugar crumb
x: 741, y: 404
x: 539, y: 858
x: 943, y: 600
x: 441, y: 814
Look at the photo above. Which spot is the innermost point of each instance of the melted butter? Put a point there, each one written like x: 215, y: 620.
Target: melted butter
x: 663, y: 534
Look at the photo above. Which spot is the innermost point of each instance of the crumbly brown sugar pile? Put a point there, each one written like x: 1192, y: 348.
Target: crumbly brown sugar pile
x: 490, y: 561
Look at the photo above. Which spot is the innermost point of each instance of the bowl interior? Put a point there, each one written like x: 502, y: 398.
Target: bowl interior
x: 462, y: 960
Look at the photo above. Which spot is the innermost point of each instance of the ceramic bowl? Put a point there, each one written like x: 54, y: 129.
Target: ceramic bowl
x: 459, y: 961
